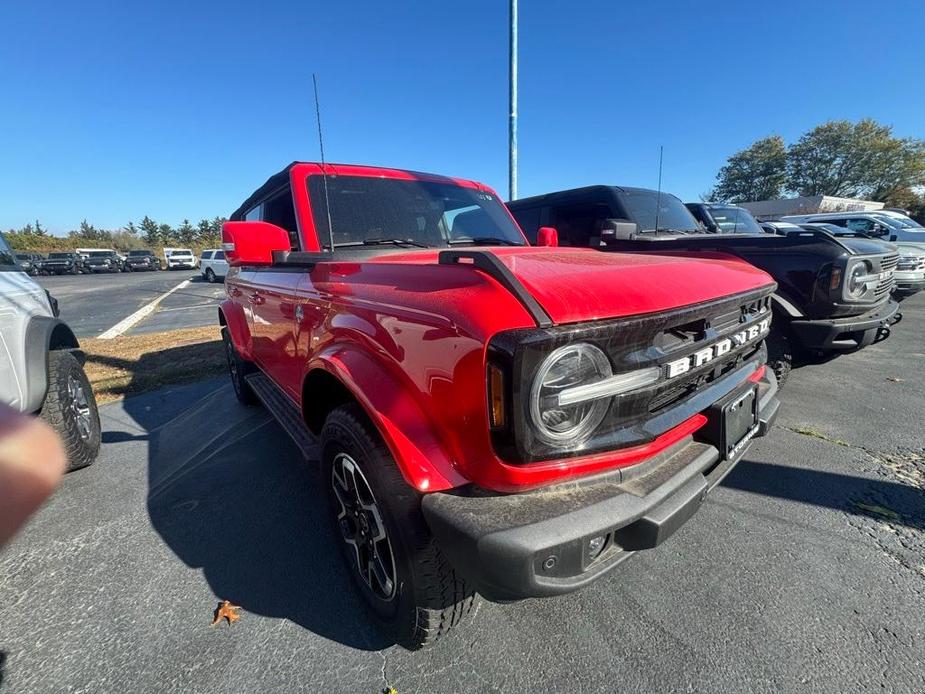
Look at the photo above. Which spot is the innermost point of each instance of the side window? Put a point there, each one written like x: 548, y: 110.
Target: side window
x: 253, y: 215
x: 864, y: 225
x: 207, y: 255
x: 529, y: 220
x: 280, y: 211
x: 580, y: 225
x: 219, y: 255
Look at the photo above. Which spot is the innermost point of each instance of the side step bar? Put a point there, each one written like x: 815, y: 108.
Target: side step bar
x: 285, y: 413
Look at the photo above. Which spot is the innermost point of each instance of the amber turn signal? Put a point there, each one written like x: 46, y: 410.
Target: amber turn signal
x: 495, y: 396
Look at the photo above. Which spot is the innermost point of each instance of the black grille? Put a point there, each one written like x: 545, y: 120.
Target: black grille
x: 633, y: 343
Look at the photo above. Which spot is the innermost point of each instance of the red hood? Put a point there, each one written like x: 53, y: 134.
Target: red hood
x: 580, y: 284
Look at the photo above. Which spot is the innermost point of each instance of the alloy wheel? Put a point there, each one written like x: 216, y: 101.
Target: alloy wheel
x: 79, y: 406
x: 361, y: 527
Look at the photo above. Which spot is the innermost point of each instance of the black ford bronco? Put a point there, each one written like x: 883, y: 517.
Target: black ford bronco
x: 833, y: 294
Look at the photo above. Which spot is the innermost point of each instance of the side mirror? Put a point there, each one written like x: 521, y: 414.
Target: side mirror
x: 252, y: 243
x: 616, y: 230
x: 547, y: 236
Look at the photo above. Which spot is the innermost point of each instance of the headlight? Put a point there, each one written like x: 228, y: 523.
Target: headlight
x: 858, y: 277
x: 566, y: 368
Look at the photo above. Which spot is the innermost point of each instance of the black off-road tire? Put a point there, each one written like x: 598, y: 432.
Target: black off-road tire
x: 238, y: 369
x: 210, y: 276
x: 60, y: 412
x: 430, y: 597
x: 780, y: 353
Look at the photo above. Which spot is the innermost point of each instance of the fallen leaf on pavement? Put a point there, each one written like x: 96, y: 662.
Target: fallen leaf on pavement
x: 226, y: 610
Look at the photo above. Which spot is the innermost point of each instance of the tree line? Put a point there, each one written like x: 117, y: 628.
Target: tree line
x: 146, y: 234
x: 839, y: 158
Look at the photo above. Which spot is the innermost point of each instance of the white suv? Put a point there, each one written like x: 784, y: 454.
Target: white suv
x: 212, y: 264
x: 179, y: 259
x: 40, y: 363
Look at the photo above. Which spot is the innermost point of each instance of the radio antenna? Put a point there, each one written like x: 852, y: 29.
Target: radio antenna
x: 324, y: 171
x: 658, y: 195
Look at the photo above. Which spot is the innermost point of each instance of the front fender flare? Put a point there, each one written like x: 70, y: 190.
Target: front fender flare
x: 231, y: 315
x: 402, y: 423
x: 43, y: 333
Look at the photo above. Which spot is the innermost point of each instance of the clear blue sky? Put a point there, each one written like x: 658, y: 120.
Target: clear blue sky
x: 114, y: 110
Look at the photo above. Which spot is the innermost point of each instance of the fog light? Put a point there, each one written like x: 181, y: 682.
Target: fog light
x: 596, y: 546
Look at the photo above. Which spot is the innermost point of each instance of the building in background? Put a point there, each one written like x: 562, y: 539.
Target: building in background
x: 769, y: 210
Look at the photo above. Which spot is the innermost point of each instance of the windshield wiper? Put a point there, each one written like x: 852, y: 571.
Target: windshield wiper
x: 669, y: 230
x: 382, y: 242
x: 485, y: 241
x: 394, y: 242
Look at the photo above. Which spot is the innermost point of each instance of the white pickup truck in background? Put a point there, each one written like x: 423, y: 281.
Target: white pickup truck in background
x: 179, y: 259
x: 213, y: 265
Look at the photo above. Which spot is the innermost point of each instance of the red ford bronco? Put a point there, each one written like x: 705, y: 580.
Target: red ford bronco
x: 491, y: 417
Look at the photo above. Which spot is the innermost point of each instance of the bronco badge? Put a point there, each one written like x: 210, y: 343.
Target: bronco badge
x: 718, y: 349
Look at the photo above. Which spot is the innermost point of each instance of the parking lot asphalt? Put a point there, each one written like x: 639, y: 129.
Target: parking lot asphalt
x: 92, y: 304
x: 804, y: 571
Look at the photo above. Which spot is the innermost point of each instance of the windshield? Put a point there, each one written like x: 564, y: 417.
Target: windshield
x: 370, y: 211
x: 59, y: 255
x: 734, y: 220
x: 137, y: 253
x: 101, y: 254
x: 184, y: 253
x: 672, y: 215
x: 903, y: 222
x: 6, y: 253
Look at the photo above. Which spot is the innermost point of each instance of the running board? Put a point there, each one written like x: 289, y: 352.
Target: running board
x: 285, y: 413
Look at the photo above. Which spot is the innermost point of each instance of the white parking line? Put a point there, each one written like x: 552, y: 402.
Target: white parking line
x: 145, y: 311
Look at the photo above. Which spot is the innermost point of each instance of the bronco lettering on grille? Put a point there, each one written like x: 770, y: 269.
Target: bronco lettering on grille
x: 718, y: 349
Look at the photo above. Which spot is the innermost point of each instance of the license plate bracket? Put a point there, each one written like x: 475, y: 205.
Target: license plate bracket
x: 732, y: 421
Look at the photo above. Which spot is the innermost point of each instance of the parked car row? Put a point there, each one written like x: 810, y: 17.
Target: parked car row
x: 86, y: 261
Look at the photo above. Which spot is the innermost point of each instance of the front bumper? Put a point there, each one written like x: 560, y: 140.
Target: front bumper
x: 853, y: 332
x: 908, y: 283
x: 535, y: 544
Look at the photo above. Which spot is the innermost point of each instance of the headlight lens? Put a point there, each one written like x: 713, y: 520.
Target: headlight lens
x: 567, y: 367
x: 856, y: 283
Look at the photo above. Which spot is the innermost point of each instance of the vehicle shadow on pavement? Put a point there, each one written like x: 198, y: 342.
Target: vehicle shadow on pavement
x: 230, y: 495
x: 879, y: 500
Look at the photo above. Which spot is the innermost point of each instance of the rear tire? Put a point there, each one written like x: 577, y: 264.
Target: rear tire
x: 70, y: 409
x: 780, y: 353
x: 426, y: 598
x: 238, y: 369
x: 210, y: 276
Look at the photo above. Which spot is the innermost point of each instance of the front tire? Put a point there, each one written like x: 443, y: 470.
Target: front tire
x: 780, y: 353
x: 390, y: 552
x: 238, y: 369
x: 70, y: 409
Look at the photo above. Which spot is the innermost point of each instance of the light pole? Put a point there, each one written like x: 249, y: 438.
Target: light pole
x: 512, y: 122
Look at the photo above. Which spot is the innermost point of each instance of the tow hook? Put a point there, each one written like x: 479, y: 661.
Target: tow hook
x: 898, y: 316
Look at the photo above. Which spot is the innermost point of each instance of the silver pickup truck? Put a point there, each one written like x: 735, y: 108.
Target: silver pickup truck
x: 41, y: 368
